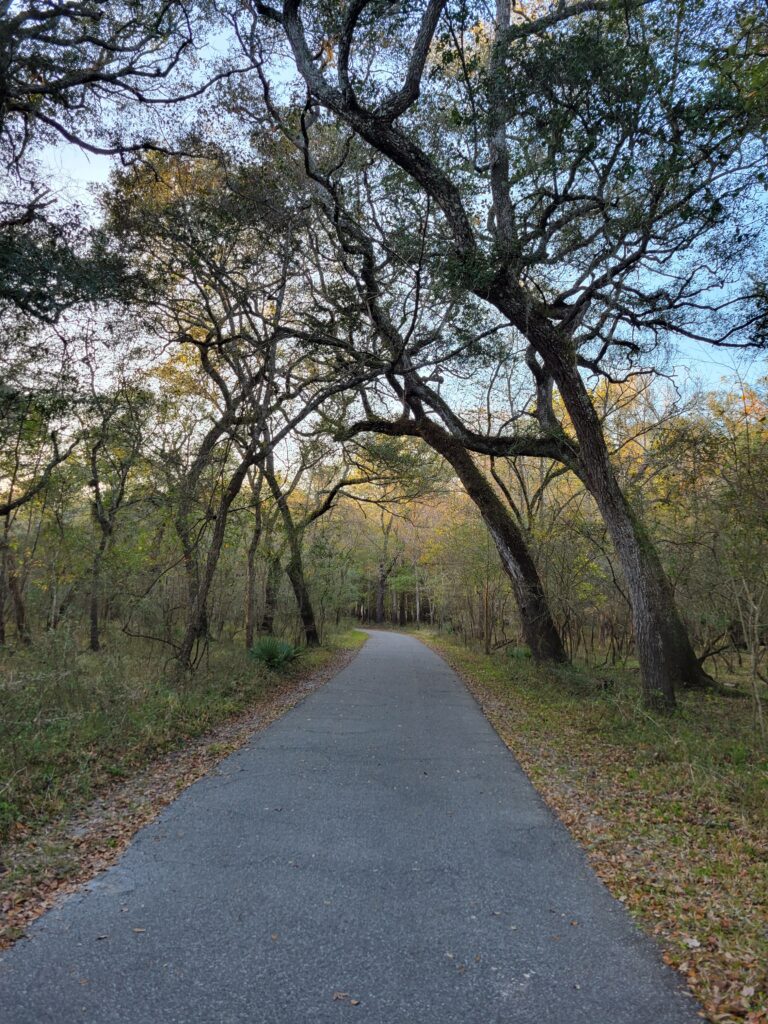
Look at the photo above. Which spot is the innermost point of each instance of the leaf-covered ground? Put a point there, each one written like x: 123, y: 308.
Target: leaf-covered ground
x: 672, y: 811
x: 51, y: 853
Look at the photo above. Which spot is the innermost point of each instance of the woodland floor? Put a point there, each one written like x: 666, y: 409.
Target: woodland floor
x: 672, y: 811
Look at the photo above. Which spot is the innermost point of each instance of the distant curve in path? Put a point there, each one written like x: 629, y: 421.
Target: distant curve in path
x: 375, y: 856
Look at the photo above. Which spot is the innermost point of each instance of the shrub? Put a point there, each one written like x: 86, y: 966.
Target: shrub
x: 520, y: 653
x: 273, y: 652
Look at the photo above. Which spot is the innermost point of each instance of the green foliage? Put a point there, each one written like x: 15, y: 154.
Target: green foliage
x: 70, y: 720
x: 518, y: 652
x: 274, y: 652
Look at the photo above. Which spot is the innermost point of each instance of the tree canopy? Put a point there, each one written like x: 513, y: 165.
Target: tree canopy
x: 354, y: 259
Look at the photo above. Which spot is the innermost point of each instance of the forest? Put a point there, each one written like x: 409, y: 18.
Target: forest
x: 387, y: 314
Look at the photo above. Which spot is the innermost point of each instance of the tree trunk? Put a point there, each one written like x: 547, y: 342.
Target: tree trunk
x: 381, y: 591
x: 295, y: 566
x: 666, y: 656
x: 250, y: 581
x: 250, y: 586
x: 95, y: 595
x: 486, y: 618
x: 295, y: 571
x: 197, y: 618
x: 274, y: 572
x: 191, y: 570
x: 539, y: 629
x: 17, y: 598
x: 3, y: 592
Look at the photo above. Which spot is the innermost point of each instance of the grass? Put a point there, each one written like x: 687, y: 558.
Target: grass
x: 672, y: 810
x: 71, y: 720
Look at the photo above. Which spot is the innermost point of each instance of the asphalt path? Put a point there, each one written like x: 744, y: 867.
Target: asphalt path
x: 376, y: 856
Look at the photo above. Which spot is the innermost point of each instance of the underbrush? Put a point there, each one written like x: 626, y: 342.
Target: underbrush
x: 71, y: 720
x: 274, y: 652
x: 672, y: 809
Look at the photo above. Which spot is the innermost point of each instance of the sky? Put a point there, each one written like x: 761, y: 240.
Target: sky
x: 75, y: 175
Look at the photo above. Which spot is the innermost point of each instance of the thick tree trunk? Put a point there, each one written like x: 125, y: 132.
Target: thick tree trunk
x: 191, y: 568
x: 295, y: 565
x: 538, y: 626
x: 295, y: 571
x: 666, y: 656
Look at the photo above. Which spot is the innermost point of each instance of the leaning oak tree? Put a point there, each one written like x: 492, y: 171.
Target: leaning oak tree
x: 592, y: 187
x: 402, y: 326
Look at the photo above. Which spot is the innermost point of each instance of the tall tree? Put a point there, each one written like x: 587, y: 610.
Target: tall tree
x: 589, y: 181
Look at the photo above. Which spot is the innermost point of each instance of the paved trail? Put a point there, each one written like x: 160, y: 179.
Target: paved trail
x: 379, y: 844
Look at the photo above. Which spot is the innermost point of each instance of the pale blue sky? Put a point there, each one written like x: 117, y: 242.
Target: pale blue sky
x: 74, y: 173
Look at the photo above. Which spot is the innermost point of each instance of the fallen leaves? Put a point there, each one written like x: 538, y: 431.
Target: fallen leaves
x: 684, y: 860
x: 343, y: 997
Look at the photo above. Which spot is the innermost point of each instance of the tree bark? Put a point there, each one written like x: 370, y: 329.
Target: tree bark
x: 274, y: 572
x: 666, y: 656
x: 402, y: 615
x: 539, y: 630
x: 17, y: 599
x: 3, y: 592
x: 295, y: 565
x: 295, y: 571
x: 250, y: 583
x: 198, y: 611
x: 381, y: 591
x: 94, y: 642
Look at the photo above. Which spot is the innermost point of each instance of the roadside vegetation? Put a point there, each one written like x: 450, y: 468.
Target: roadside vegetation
x: 88, y: 766
x: 671, y: 811
x: 71, y: 723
